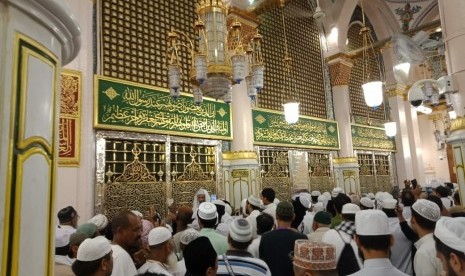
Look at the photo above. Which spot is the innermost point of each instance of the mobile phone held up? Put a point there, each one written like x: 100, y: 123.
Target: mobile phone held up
x: 414, y: 183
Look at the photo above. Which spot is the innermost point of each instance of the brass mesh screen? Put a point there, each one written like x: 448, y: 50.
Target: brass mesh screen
x: 133, y: 38
x: 356, y: 80
x: 304, y: 48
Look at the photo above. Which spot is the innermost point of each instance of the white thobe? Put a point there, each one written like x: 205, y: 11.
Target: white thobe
x: 122, y: 262
x: 378, y: 267
x: 271, y: 210
x: 253, y: 247
x: 332, y: 237
x: 305, y: 226
x: 154, y: 267
x: 425, y: 262
x: 252, y: 219
x: 401, y: 251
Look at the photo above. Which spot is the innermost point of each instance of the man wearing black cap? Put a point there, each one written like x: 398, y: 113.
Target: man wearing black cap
x: 276, y: 245
x: 321, y: 223
x: 68, y: 219
x: 200, y: 258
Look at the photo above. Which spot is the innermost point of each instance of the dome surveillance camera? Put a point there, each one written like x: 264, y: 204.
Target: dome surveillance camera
x: 416, y: 96
x: 318, y: 14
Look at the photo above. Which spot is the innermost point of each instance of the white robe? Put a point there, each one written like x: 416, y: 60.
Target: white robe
x: 426, y: 263
x: 154, y: 267
x: 122, y: 262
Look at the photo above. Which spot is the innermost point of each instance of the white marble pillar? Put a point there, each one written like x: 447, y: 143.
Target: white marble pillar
x: 37, y: 37
x: 453, y: 29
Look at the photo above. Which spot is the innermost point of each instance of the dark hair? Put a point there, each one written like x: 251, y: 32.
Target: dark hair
x: 150, y: 274
x: 66, y: 214
x: 265, y: 223
x: 184, y: 215
x: 207, y: 223
x: 121, y: 220
x: 350, y: 217
x: 423, y: 222
x: 457, y: 198
x: 108, y: 233
x: 391, y: 213
x: 62, y: 251
x: 446, y: 250
x: 81, y: 268
x: 314, y: 199
x: 378, y: 243
x: 239, y: 245
x: 443, y: 191
x: 436, y: 200
x: 220, y: 209
x: 341, y: 200
x: 407, y: 198
x: 269, y: 194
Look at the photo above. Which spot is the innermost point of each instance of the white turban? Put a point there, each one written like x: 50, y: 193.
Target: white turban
x: 195, y: 203
x: 451, y: 232
x: 101, y: 221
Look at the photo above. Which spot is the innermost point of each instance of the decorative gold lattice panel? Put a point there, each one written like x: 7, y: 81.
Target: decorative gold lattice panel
x: 375, y: 172
x: 367, y: 177
x: 304, y: 48
x: 133, y: 38
x: 182, y: 155
x: 356, y: 80
x: 275, y: 172
x: 320, y: 171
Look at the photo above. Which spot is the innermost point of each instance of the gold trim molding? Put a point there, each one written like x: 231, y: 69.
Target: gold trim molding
x: 237, y: 155
x: 458, y: 124
x: 345, y: 160
x: 339, y: 70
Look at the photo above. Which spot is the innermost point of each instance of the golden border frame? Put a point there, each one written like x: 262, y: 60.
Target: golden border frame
x: 74, y: 161
x: 372, y: 149
x: 146, y: 130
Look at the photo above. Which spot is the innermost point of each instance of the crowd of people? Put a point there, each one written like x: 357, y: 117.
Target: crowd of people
x: 312, y: 233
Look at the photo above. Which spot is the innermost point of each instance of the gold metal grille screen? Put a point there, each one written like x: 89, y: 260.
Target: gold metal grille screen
x: 374, y: 172
x: 133, y: 38
x: 304, y: 48
x: 357, y: 101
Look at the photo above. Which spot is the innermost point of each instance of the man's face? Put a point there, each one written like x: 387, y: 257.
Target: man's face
x: 132, y: 234
x: 201, y: 198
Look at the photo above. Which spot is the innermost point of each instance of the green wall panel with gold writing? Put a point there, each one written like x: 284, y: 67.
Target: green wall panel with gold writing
x: 270, y: 128
x: 123, y: 105
x: 371, y: 138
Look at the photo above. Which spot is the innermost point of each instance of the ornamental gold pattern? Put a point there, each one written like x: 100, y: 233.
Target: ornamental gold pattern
x: 371, y: 138
x: 339, y: 71
x: 375, y: 172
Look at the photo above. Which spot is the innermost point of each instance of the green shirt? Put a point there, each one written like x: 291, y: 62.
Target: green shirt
x: 335, y: 221
x: 219, y: 242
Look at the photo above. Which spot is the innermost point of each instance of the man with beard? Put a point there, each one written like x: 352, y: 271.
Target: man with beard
x: 162, y: 257
x: 374, y: 240
x: 449, y: 237
x: 94, y: 258
x: 200, y: 197
x: 126, y: 228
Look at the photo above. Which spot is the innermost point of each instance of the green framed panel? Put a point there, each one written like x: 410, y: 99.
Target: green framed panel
x: 371, y: 138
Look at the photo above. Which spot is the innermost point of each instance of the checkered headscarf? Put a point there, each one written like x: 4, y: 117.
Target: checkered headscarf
x: 347, y: 227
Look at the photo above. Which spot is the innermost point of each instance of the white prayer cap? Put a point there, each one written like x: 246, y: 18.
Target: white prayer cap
x: 350, y: 208
x: 434, y: 183
x: 219, y: 202
x: 317, y: 207
x: 378, y: 195
x: 305, y: 199
x: 386, y: 195
x: 336, y: 191
x: 276, y: 201
x: 368, y: 203
x: 101, y: 221
x: 137, y: 213
x: 327, y: 195
x: 253, y: 200
x: 93, y: 249
x: 316, y: 193
x: 451, y: 232
x: 427, y: 209
x: 189, y: 235
x: 228, y: 209
x: 294, y: 196
x: 371, y: 196
x: 159, y: 235
x: 389, y: 203
x: 169, y: 228
x: 321, y: 198
x: 371, y: 223
x: 240, y: 230
x: 207, y: 211
x: 62, y: 237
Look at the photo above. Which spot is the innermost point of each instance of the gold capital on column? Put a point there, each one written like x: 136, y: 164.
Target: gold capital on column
x: 339, y: 70
x: 400, y: 90
x: 249, y: 24
x: 458, y: 124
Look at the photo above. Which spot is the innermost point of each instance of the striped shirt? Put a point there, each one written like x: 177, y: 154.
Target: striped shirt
x: 241, y: 263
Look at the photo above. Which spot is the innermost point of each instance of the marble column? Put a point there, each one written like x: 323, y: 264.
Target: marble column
x: 36, y: 38
x: 346, y: 168
x: 453, y: 29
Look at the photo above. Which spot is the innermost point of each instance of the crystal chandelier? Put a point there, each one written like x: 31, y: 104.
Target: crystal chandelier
x: 372, y: 89
x: 213, y: 68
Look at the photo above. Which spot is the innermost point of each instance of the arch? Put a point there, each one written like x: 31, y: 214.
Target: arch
x: 430, y: 13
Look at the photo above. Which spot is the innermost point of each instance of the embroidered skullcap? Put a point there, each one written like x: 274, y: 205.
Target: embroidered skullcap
x: 207, y: 211
x: 253, y: 200
x: 389, y: 203
x: 189, y: 235
x: 371, y: 196
x: 336, y: 191
x: 366, y: 202
x: 138, y: 214
x: 159, y: 235
x: 240, y: 230
x: 316, y: 193
x: 350, y: 208
x: 371, y: 223
x: 101, y: 221
x: 318, y: 207
x: 427, y: 209
x: 451, y: 232
x: 323, y: 217
x: 93, y: 249
x: 305, y: 199
x: 314, y: 255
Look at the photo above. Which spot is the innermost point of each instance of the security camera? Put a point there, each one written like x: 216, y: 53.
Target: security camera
x: 416, y: 96
x: 447, y: 84
x: 318, y: 14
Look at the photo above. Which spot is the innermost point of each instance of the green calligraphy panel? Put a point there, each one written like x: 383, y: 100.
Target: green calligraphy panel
x: 270, y: 128
x: 123, y: 105
x: 371, y: 138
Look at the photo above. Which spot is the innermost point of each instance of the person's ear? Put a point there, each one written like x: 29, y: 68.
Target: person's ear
x: 455, y: 263
x: 357, y: 241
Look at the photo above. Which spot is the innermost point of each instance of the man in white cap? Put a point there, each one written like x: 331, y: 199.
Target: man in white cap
x: 425, y: 214
x: 315, y: 195
x: 337, y: 204
x: 201, y: 195
x: 449, y: 237
x: 336, y: 191
x: 187, y: 236
x: 301, y: 205
x: 265, y: 224
x: 401, y: 251
x: 374, y: 240
x: 208, y: 218
x: 101, y: 221
x: 366, y: 203
x: 343, y: 234
x: 94, y: 258
x: 253, y: 209
x: 237, y: 260
x: 161, y: 248
x: 268, y: 196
